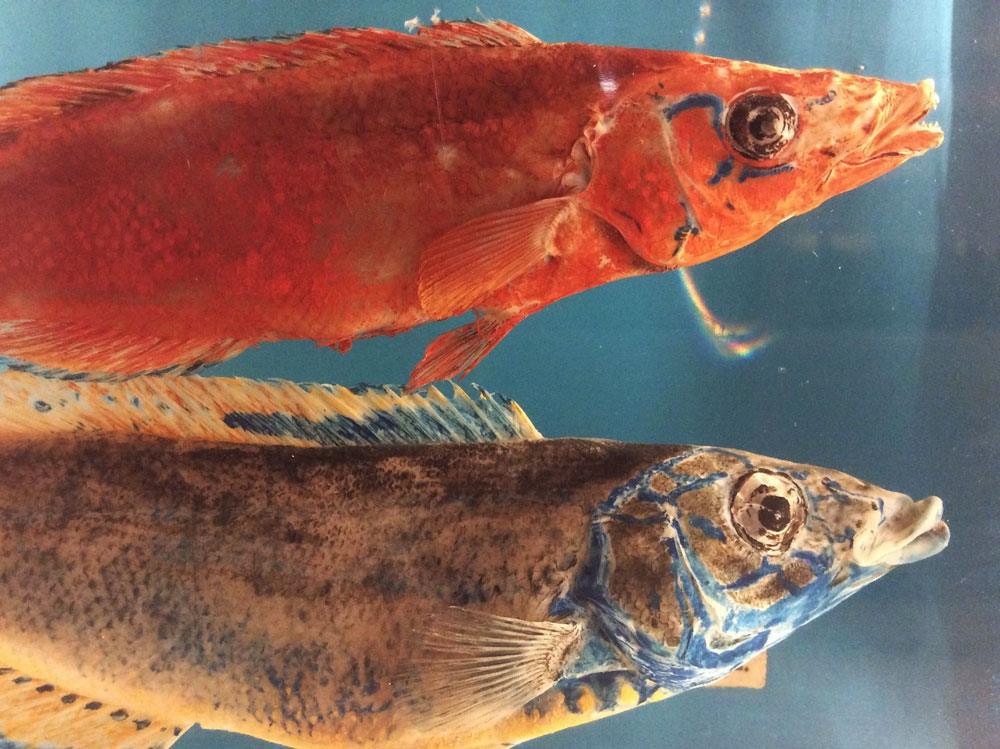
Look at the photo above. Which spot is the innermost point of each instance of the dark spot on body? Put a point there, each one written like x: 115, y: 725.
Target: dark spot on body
x: 654, y: 600
x: 119, y: 715
x: 141, y: 724
x: 69, y: 699
x: 22, y: 679
x: 44, y: 688
x: 92, y: 706
x: 42, y: 407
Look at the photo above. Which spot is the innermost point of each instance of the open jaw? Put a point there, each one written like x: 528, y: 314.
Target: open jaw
x: 900, y: 131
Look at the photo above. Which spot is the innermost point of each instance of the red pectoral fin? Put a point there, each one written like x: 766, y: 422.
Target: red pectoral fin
x: 469, y: 262
x: 458, y: 351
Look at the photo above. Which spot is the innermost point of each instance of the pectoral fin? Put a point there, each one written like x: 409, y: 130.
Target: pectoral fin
x: 475, y: 669
x: 467, y: 263
x: 751, y: 675
x: 458, y: 351
x: 37, y: 713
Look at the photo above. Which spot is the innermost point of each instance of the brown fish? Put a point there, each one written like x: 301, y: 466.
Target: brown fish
x: 463, y: 593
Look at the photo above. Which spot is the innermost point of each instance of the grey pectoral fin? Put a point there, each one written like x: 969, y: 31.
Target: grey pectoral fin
x: 474, y: 669
x: 38, y: 713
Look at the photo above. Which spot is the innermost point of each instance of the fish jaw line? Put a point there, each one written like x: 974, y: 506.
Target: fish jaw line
x: 912, y: 532
x: 898, y: 132
x: 904, y: 133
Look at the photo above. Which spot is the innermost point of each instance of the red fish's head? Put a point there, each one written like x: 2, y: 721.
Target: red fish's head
x: 750, y: 146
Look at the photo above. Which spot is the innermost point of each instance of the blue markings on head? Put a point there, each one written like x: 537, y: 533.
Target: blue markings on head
x: 766, y: 568
x: 718, y: 628
x: 707, y: 527
x: 692, y: 101
x: 753, y: 172
x: 722, y: 170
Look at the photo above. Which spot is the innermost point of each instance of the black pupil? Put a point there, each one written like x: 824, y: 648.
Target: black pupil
x: 765, y: 125
x: 774, y: 513
x: 760, y: 125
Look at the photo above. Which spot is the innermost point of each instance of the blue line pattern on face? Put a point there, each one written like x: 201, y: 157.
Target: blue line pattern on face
x: 708, y: 101
x: 752, y: 172
x: 722, y: 170
x: 717, y: 631
x: 745, y: 581
x: 707, y: 527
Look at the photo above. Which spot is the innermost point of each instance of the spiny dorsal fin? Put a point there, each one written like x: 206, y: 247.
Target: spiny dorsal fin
x: 230, y: 409
x: 37, y: 713
x: 474, y: 669
x: 34, y: 98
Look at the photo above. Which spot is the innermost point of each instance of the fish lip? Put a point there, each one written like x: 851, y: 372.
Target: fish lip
x: 904, y: 133
x: 924, y: 535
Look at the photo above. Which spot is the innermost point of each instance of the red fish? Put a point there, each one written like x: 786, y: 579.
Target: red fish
x: 167, y: 212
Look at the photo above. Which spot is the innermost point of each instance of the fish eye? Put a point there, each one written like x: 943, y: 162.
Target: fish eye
x: 767, y: 508
x: 761, y: 125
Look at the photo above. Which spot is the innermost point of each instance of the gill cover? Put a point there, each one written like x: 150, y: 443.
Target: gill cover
x: 703, y: 561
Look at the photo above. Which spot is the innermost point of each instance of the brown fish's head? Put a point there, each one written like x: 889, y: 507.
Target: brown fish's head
x: 750, y: 146
x: 699, y: 563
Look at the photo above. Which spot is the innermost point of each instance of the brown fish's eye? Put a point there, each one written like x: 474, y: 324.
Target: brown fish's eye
x: 767, y: 508
x: 775, y: 513
x: 761, y: 125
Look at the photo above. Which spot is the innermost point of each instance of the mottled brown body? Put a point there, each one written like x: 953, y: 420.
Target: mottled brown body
x: 275, y: 590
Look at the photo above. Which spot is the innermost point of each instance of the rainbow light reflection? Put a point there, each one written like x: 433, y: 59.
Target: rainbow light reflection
x: 731, y: 340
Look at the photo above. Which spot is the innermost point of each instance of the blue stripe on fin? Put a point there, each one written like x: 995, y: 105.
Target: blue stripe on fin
x: 224, y: 409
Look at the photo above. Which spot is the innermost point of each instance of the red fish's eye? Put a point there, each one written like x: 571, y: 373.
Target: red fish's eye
x: 760, y: 125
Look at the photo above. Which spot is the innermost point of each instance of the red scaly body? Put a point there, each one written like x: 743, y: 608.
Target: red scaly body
x: 171, y: 211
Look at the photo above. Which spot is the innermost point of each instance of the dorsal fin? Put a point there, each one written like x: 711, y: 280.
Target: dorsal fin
x: 230, y: 409
x: 37, y: 713
x: 34, y: 98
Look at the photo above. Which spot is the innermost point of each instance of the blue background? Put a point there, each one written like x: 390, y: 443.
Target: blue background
x: 883, y: 302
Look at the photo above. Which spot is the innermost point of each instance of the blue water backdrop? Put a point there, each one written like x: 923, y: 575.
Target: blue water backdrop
x: 884, y: 308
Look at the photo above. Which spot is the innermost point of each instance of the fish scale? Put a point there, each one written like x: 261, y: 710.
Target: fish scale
x: 319, y: 590
x: 167, y: 212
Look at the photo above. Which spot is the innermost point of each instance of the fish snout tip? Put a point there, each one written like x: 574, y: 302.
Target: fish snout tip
x: 908, y: 532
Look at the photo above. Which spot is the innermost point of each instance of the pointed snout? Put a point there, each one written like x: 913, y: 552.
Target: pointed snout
x: 906, y: 532
x: 889, y: 128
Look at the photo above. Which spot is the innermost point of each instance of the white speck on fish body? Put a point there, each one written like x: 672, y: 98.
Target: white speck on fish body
x: 447, y: 156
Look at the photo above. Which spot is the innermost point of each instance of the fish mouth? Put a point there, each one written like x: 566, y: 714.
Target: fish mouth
x: 912, y: 531
x: 898, y: 127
